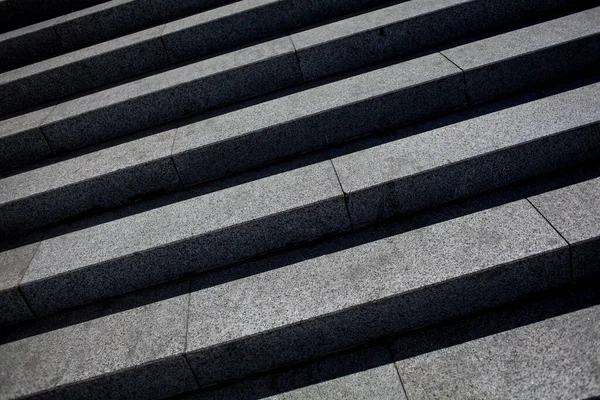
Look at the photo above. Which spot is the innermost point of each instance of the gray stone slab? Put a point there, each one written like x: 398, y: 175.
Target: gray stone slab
x: 89, y: 26
x: 82, y: 70
x: 21, y: 140
x: 413, y: 171
x: 107, y: 20
x: 310, y: 119
x: 245, y: 21
x: 197, y: 234
x: 119, y: 17
x: 14, y: 261
x: 400, y: 29
x: 552, y: 359
x: 574, y: 210
x: 115, y: 351
x: 28, y: 44
x: 364, y: 374
x: 529, y: 56
x: 373, y: 283
x: 223, y: 27
x: 104, y: 178
x: 173, y: 94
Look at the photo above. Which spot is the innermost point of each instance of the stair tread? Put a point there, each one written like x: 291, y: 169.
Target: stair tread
x: 574, y: 211
x: 361, y: 375
x: 364, y: 175
x: 144, y: 344
x: 199, y: 233
x: 331, y: 280
x: 359, y: 286
x: 215, y: 199
x: 288, y: 120
x: 554, y: 358
x: 511, y: 44
x: 405, y: 27
x: 493, y: 364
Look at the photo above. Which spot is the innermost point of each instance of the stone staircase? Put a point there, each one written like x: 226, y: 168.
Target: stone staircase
x: 300, y: 199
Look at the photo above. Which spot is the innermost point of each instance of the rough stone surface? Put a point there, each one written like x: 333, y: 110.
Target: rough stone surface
x: 20, y: 13
x: 312, y: 118
x: 21, y: 140
x: 245, y: 21
x: 115, y: 350
x: 529, y: 56
x: 378, y: 282
x: 414, y: 171
x: 14, y: 261
x: 27, y: 44
x: 223, y: 27
x: 91, y: 25
x: 573, y: 208
x: 82, y: 70
x: 119, y: 17
x: 400, y: 29
x: 552, y: 359
x: 365, y: 374
x: 188, y: 236
x: 172, y: 94
x: 99, y: 179
x: 102, y: 22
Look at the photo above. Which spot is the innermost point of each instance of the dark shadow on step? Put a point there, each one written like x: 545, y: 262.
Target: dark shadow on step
x: 93, y: 311
x: 373, y: 355
x: 278, y: 259
x: 572, y: 8
x: 375, y: 360
x: 150, y: 201
x: 261, y: 263
x: 363, y: 143
x: 564, y: 178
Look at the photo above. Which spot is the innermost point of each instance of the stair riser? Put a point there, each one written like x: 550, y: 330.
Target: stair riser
x: 186, y: 42
x: 316, y: 131
x: 175, y: 260
x: 355, y: 326
x: 533, y: 69
x: 476, y: 175
x: 435, y: 25
x: 106, y: 191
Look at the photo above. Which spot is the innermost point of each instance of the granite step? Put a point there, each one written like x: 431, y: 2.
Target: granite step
x: 363, y: 374
x: 306, y: 119
x: 149, y: 50
x: 356, y: 193
x: 114, y: 176
x: 185, y: 36
x: 151, y: 101
x: 157, y: 245
x: 154, y: 48
x: 481, y: 356
x: 429, y: 164
x: 285, y: 204
x: 272, y: 65
x: 415, y: 25
x: 18, y: 13
x: 92, y: 25
x: 571, y: 203
x: 111, y: 176
x: 415, y: 272
x: 552, y: 358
